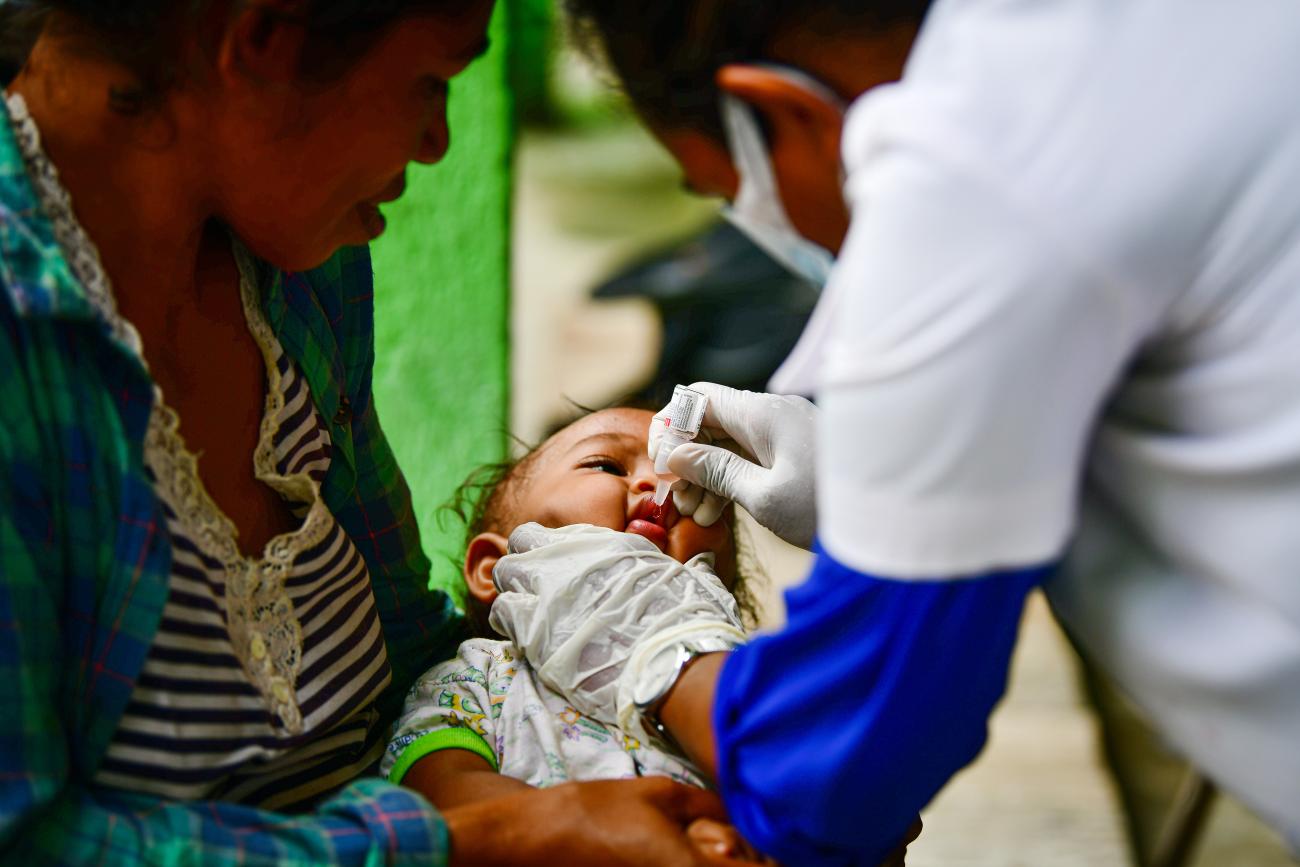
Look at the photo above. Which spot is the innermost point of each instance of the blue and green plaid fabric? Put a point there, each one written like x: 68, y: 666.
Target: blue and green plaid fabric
x: 85, y: 559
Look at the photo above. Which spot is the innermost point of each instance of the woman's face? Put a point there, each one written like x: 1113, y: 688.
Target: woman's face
x: 305, y: 166
x: 596, y: 471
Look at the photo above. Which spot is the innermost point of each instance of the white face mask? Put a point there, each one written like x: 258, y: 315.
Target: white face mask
x: 757, y: 210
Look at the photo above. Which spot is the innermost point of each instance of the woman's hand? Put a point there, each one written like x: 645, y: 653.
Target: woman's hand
x: 610, y: 823
x: 602, y: 615
x: 762, y: 456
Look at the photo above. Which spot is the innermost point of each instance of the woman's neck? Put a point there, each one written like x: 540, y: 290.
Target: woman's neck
x: 140, y: 184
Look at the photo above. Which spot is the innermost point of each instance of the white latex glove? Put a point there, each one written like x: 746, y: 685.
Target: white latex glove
x: 755, y: 449
x: 581, y: 601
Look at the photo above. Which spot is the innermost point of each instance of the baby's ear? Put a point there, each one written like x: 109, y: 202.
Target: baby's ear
x: 481, y: 558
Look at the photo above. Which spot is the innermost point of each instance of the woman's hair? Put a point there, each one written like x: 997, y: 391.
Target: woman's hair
x: 146, y: 35
x: 667, y: 53
x: 483, y: 503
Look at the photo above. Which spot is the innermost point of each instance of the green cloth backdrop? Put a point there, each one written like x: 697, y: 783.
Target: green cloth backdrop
x: 442, y: 275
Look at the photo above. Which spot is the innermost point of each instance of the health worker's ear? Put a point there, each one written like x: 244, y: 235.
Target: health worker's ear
x: 261, y: 46
x: 481, y: 558
x: 804, y: 132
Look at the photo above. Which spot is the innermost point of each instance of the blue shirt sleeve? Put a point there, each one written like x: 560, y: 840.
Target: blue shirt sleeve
x: 833, y: 734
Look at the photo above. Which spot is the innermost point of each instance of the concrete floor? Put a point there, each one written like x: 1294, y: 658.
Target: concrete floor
x: 1039, y: 795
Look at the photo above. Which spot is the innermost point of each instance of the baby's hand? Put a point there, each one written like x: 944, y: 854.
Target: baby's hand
x: 715, y: 840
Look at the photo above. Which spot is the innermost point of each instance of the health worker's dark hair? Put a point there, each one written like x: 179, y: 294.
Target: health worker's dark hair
x: 146, y: 35
x: 666, y: 53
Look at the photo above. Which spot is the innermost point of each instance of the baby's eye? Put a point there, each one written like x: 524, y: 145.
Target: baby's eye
x: 605, y: 465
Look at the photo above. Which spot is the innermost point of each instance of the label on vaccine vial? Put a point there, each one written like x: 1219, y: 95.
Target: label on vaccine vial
x: 688, y: 409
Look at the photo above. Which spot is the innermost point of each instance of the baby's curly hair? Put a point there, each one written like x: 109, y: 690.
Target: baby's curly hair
x: 483, y: 504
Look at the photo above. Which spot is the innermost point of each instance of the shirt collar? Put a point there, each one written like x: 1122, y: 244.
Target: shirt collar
x: 33, y: 270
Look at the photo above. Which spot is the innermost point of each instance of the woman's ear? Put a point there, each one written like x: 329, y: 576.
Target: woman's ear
x: 262, y: 44
x: 804, y: 132
x: 481, y: 558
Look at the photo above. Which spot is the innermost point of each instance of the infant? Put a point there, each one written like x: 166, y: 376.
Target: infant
x: 486, y: 711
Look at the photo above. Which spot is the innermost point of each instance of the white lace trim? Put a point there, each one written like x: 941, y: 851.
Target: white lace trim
x: 81, y: 253
x: 264, y: 631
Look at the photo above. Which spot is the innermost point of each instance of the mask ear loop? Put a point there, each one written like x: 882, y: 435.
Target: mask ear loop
x: 758, y: 210
x: 751, y: 158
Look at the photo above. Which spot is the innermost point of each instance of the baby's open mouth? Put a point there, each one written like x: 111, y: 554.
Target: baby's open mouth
x: 643, y: 521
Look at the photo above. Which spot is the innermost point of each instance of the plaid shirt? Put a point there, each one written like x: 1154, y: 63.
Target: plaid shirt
x: 85, y: 562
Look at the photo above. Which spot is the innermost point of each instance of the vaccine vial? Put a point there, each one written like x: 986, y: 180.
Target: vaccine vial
x: 681, y: 421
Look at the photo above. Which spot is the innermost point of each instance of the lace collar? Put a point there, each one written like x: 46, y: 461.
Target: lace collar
x: 78, y: 250
x: 264, y: 631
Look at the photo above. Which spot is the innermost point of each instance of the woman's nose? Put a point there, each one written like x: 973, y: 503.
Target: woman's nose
x: 437, y: 139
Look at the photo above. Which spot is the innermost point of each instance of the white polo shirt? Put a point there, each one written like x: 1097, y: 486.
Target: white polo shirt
x: 1066, y: 323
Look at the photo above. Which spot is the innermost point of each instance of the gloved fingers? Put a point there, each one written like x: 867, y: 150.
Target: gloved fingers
x: 710, y: 509
x: 718, y: 470
x: 686, y: 497
x: 536, y: 551
x: 531, y: 536
x: 512, y: 614
x: 732, y: 415
x: 514, y: 574
x: 705, y: 561
x: 714, y: 597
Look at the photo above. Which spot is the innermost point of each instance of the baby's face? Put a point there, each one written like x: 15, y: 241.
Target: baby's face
x: 596, y: 471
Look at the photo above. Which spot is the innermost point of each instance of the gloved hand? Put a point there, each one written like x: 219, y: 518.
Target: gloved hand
x: 756, y: 449
x: 601, y: 615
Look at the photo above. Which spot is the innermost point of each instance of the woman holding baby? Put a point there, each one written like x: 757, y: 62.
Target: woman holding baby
x: 201, y: 662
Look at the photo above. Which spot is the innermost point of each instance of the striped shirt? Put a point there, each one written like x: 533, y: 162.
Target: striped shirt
x: 199, y: 724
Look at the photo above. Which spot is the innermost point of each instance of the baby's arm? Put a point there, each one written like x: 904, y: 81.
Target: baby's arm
x: 443, y: 746
x: 452, y: 777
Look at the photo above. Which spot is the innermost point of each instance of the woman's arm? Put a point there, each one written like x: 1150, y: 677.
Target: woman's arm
x: 638, y: 823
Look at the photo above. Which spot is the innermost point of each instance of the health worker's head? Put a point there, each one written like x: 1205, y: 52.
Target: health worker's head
x: 594, y: 471
x: 676, y: 58
x: 301, y: 116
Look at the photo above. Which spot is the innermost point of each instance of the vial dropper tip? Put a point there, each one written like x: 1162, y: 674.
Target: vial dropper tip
x: 661, y: 492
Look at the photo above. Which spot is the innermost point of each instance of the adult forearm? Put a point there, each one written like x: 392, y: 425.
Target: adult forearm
x: 687, y: 711
x: 833, y: 734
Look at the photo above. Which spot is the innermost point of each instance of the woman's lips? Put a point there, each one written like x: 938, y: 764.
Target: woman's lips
x: 371, y: 219
x: 651, y: 531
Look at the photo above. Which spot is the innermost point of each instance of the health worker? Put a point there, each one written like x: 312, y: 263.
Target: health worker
x: 1060, y: 347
